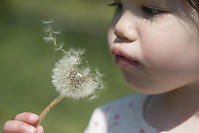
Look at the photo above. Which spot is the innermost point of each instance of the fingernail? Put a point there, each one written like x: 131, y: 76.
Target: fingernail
x: 33, y: 118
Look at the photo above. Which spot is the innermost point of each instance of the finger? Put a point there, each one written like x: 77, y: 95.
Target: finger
x: 27, y: 117
x: 14, y: 126
x: 40, y: 129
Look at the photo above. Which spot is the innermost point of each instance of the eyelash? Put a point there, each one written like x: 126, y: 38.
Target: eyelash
x: 152, y: 11
x: 117, y: 4
x: 149, y: 11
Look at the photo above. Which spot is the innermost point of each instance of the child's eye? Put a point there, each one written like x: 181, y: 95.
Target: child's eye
x: 152, y: 11
x: 117, y: 4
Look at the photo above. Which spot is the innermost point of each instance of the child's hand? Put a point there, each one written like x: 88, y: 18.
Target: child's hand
x: 23, y: 123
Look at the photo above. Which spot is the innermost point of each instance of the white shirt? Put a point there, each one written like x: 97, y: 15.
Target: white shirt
x: 124, y: 115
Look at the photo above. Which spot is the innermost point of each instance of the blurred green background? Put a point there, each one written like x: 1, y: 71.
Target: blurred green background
x: 26, y: 61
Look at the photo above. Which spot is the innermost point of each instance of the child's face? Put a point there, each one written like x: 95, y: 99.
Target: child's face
x: 162, y: 36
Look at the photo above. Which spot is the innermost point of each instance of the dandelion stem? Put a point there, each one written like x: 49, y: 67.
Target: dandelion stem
x: 47, y: 109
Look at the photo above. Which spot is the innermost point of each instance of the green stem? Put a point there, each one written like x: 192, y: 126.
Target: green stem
x: 47, y: 109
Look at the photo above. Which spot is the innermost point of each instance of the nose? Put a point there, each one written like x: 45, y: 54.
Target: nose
x: 125, y: 28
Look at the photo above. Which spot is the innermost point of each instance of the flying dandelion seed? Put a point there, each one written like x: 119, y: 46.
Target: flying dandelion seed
x: 70, y: 76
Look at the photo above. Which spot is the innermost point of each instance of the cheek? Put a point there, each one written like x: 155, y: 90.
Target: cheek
x: 174, y: 50
x: 163, y: 52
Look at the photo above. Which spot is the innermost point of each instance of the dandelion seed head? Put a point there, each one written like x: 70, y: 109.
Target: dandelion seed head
x: 72, y: 80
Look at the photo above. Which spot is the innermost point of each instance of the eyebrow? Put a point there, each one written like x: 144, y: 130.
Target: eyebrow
x: 158, y: 2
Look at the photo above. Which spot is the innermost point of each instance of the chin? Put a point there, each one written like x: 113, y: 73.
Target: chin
x: 150, y: 86
x: 147, y: 89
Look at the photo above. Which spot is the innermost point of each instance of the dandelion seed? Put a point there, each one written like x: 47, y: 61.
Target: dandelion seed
x: 60, y: 47
x: 47, y: 29
x: 51, y: 35
x: 47, y: 22
x: 56, y: 32
x: 48, y: 39
x: 92, y: 97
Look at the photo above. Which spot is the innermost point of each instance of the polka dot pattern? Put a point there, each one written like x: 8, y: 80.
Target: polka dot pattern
x: 120, y: 116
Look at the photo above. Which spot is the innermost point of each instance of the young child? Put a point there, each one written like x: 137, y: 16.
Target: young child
x: 155, y: 43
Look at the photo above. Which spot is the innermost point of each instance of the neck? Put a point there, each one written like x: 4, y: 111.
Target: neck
x: 183, y: 99
x: 174, y: 107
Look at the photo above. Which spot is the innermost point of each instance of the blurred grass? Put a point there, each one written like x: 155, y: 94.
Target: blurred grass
x: 27, y: 61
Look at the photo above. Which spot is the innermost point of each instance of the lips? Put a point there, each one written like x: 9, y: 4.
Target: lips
x: 122, y: 58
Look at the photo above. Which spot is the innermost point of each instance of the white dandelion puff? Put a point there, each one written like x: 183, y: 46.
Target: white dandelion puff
x: 71, y: 80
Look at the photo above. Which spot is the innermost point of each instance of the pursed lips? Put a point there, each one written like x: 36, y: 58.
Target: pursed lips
x: 122, y: 58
